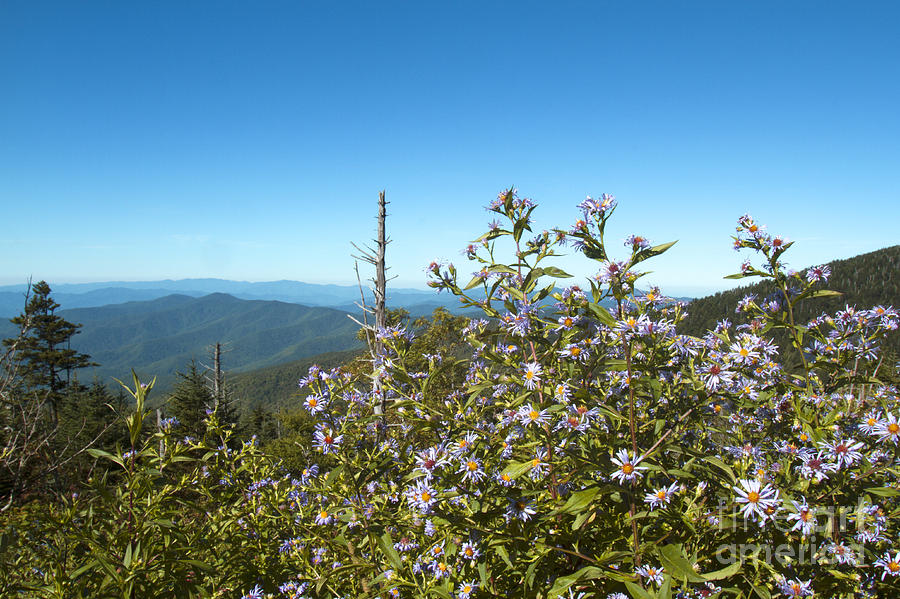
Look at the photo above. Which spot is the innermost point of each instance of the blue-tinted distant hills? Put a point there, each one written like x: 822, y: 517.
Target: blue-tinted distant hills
x: 89, y: 295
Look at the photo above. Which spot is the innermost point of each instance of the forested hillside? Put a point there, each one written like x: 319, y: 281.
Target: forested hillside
x: 865, y: 281
x: 158, y: 337
x: 274, y: 386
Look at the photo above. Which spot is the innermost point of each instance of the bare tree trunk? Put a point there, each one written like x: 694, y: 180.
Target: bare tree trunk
x: 380, y: 294
x: 162, y: 445
x: 376, y: 257
x: 217, y: 376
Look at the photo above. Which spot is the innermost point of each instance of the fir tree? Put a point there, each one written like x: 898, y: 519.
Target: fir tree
x: 45, y: 359
x: 189, y: 401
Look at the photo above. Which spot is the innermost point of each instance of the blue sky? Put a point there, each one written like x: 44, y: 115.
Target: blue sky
x: 248, y: 141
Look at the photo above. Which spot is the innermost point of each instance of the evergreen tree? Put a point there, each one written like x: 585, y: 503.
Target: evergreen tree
x: 45, y: 359
x: 189, y: 401
x: 259, y: 421
x: 87, y: 418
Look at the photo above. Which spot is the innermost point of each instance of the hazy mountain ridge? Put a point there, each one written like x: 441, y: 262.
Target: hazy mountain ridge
x: 90, y: 295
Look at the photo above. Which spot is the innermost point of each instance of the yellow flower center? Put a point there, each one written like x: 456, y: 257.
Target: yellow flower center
x: 753, y: 497
x: 533, y: 415
x: 472, y: 466
x: 893, y: 428
x: 627, y: 468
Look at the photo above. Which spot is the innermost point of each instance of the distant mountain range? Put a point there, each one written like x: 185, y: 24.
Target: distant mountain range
x: 865, y: 281
x: 160, y: 336
x: 272, y: 331
x: 90, y: 295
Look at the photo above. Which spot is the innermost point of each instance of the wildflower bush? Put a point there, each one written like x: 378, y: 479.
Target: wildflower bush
x: 592, y: 451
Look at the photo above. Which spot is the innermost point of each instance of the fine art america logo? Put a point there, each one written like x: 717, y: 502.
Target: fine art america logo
x: 812, y: 535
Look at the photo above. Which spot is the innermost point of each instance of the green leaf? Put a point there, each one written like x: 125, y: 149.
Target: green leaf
x: 500, y: 268
x: 83, y: 569
x: 738, y: 275
x: 651, y: 252
x: 883, y: 491
x: 335, y: 473
x: 602, y: 314
x: 557, y: 273
x: 99, y: 453
x: 562, y: 584
x: 387, y: 545
x: 475, y: 282
x: 665, y: 591
x: 501, y: 551
x: 637, y: 592
x: 440, y: 592
x: 725, y: 572
x: 516, y: 469
x: 579, y: 500
x: 493, y: 234
x: 825, y: 293
x: 763, y: 592
x: 580, y: 519
x: 676, y: 562
x: 718, y: 463
x: 656, y: 250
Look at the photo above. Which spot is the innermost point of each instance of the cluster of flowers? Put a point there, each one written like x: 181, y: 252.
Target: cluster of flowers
x: 595, y: 451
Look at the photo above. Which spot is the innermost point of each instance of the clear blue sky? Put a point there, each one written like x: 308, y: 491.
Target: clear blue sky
x: 248, y: 140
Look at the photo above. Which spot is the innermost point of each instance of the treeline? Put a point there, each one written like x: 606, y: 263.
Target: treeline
x: 863, y: 281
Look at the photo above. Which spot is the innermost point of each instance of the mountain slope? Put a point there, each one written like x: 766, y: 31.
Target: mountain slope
x: 865, y: 281
x: 276, y: 386
x: 160, y: 336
